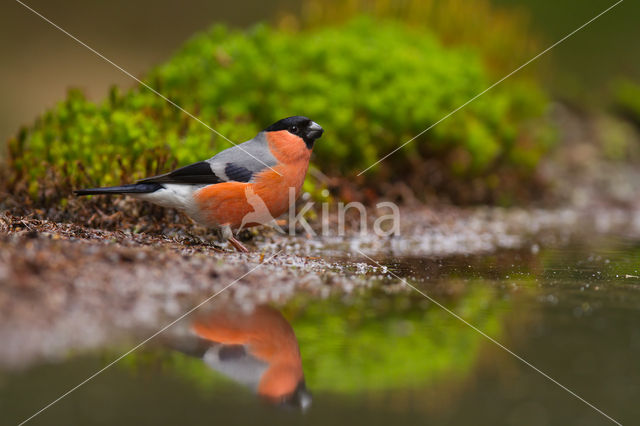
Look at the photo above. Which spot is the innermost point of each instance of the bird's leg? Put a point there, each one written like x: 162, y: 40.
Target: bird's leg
x: 238, y: 245
x: 227, y: 235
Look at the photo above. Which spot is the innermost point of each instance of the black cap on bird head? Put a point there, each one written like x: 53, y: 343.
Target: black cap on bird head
x: 300, y: 126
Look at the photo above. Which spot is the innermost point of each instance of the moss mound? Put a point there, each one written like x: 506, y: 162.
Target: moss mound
x: 372, y: 83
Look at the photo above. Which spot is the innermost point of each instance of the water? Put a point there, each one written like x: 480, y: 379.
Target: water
x: 383, y: 355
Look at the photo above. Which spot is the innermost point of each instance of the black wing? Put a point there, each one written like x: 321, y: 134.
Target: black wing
x: 193, y: 173
x: 237, y: 172
x: 202, y: 173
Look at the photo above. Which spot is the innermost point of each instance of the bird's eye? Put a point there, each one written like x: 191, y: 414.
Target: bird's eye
x: 293, y: 129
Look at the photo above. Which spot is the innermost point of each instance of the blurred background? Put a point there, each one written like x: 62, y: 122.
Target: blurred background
x: 39, y: 63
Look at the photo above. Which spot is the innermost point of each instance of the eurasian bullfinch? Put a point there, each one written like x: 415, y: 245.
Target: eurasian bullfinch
x: 217, y: 192
x: 257, y: 349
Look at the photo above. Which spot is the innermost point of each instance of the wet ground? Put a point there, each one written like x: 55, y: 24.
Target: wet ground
x: 371, y: 349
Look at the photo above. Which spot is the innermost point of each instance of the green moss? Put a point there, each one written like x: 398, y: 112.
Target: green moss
x: 372, y: 83
x: 392, y: 342
x: 627, y: 99
x: 502, y: 36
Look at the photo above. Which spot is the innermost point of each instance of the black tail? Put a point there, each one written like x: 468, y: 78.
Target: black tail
x: 134, y: 188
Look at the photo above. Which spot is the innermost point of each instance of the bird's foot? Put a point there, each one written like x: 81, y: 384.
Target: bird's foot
x: 238, y: 245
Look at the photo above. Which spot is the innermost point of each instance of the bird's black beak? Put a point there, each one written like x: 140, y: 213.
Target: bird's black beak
x: 314, y: 131
x: 300, y: 399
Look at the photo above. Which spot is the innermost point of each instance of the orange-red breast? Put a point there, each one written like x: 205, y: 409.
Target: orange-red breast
x: 220, y: 192
x: 258, y: 349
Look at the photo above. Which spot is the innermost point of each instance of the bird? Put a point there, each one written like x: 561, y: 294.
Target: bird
x: 214, y: 192
x: 256, y: 348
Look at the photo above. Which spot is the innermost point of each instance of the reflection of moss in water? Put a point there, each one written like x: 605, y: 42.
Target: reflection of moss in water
x: 371, y: 342
x: 627, y: 99
x: 389, y: 342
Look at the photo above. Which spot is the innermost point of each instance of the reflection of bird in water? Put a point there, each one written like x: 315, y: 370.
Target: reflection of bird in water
x: 257, y: 349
